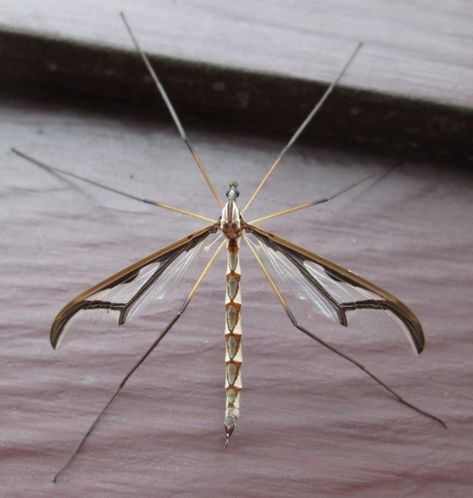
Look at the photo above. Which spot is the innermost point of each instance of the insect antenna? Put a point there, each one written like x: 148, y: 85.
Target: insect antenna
x: 326, y: 198
x: 302, y: 127
x: 171, y: 110
x: 294, y: 322
x: 59, y: 172
x: 142, y: 359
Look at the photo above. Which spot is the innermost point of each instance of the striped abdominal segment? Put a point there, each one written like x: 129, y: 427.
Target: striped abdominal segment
x: 233, y: 353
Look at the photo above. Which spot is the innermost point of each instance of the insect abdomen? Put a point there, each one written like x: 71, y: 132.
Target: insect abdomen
x: 233, y: 353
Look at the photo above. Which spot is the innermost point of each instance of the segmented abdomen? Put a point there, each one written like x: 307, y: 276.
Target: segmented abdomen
x: 233, y: 354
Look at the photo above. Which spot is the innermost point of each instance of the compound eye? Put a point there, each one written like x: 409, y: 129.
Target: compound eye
x: 234, y: 226
x: 225, y: 226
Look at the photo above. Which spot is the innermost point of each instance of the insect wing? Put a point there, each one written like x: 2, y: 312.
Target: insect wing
x: 134, y: 289
x: 335, y: 292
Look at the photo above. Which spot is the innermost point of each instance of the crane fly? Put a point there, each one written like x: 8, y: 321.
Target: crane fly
x: 333, y: 291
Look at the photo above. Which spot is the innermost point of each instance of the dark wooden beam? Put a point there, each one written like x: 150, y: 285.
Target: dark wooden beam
x: 51, y: 67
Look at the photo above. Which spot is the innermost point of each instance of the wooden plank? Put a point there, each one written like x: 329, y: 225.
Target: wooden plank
x: 311, y: 424
x: 261, y: 102
x: 263, y: 65
x: 413, y: 49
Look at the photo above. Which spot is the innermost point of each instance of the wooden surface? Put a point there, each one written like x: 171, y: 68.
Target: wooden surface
x: 311, y: 424
x: 263, y: 64
x: 413, y: 49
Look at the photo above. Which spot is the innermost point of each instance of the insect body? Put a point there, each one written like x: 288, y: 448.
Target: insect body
x: 231, y: 226
x: 233, y: 351
x: 334, y: 292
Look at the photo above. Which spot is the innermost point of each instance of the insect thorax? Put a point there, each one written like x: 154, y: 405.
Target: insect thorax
x: 230, y: 221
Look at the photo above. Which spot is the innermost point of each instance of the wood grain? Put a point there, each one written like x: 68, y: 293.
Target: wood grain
x: 311, y: 424
x: 73, y: 94
x: 264, y: 64
x: 416, y: 49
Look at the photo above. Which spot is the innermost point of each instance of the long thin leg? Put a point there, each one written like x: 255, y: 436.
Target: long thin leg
x: 294, y: 322
x: 301, y: 128
x: 142, y: 359
x: 171, y: 110
x: 322, y: 199
x: 54, y: 170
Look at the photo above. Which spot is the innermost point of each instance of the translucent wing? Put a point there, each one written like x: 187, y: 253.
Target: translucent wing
x: 335, y: 292
x: 119, y: 297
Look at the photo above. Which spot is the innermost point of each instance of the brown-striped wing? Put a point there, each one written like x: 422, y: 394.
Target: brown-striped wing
x: 335, y: 292
x: 119, y: 297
